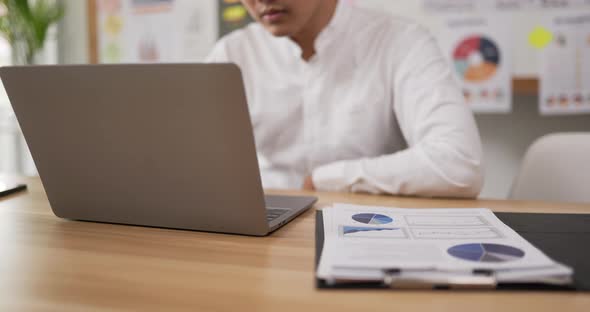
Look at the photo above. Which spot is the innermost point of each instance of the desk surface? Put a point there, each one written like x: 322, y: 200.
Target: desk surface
x: 47, y: 263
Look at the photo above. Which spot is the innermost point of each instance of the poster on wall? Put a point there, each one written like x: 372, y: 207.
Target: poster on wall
x: 562, y: 4
x: 451, y: 6
x: 232, y: 16
x: 197, y: 28
x: 462, y: 6
x: 565, y: 66
x: 151, y: 31
x: 111, y: 20
x: 154, y: 31
x: 479, y: 51
x: 152, y: 6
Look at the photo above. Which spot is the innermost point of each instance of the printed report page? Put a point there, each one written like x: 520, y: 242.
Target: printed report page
x: 362, y: 242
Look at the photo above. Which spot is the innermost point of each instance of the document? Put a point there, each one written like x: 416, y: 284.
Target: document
x: 363, y: 243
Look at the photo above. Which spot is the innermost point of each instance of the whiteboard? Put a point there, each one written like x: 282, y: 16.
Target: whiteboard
x: 525, y: 63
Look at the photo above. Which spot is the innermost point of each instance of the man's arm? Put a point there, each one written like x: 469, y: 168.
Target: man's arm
x: 218, y: 54
x: 444, y: 158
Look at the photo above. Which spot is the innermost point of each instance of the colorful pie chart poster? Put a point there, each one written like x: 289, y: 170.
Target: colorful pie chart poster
x: 565, y: 66
x: 479, y: 51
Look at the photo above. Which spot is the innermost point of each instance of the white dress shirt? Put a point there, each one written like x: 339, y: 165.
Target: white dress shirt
x: 374, y: 110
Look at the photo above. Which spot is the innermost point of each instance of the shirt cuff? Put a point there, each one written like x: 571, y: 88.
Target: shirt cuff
x: 336, y: 177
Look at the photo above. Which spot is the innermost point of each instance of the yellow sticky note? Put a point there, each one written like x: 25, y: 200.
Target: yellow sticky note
x: 540, y: 37
x: 235, y: 13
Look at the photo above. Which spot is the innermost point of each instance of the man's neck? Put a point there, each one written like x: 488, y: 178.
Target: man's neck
x: 307, y: 36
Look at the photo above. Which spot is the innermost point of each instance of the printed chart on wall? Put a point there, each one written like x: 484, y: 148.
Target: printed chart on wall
x: 561, y: 4
x: 232, y: 16
x: 565, y: 65
x: 451, y: 6
x: 150, y: 31
x: 479, y: 50
x: 456, y: 6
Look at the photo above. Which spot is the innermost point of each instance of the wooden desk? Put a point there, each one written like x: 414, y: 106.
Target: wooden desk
x: 48, y: 263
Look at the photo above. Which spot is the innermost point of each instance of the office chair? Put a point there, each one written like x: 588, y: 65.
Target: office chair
x: 556, y: 167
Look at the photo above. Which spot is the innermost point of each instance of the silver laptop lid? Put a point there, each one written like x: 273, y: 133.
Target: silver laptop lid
x: 168, y: 145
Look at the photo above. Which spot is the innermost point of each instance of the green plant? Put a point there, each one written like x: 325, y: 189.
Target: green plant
x: 27, y: 22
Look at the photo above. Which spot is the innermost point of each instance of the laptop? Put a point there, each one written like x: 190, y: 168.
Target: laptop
x: 162, y: 145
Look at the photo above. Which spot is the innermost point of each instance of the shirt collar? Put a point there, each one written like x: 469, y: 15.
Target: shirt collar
x: 336, y: 26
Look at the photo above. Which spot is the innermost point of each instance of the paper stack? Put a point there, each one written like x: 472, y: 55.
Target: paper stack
x: 429, y: 248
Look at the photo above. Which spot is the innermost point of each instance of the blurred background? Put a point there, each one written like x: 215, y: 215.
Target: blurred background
x: 524, y: 65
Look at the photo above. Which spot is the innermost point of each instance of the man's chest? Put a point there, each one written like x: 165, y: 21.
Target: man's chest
x: 332, y: 104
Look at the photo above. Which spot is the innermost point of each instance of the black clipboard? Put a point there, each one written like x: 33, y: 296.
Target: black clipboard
x: 563, y: 237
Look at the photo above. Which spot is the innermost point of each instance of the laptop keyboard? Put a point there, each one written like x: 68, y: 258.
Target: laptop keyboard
x: 273, y: 213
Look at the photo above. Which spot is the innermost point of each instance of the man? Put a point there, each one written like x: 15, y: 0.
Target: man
x: 346, y: 99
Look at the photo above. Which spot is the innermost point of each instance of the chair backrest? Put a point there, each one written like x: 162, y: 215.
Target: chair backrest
x: 555, y: 168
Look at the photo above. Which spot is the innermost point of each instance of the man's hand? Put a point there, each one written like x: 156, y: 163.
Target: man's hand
x: 308, y: 184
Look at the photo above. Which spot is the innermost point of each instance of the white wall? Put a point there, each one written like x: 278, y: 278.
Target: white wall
x: 505, y: 137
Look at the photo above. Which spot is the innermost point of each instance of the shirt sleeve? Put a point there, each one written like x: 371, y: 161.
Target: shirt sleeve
x: 444, y: 158
x: 219, y: 53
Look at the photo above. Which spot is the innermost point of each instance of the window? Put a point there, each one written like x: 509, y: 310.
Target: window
x: 14, y: 154
x: 5, y: 59
x: 7, y: 133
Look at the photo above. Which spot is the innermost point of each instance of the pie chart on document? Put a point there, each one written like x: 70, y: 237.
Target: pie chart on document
x: 372, y: 218
x: 486, y: 252
x: 476, y: 59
